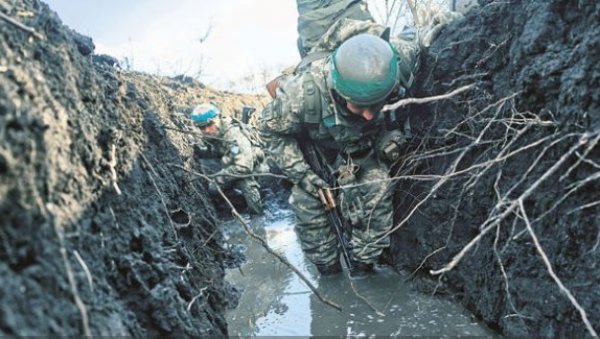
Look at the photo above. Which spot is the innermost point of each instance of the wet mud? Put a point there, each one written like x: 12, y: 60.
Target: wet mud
x: 275, y: 302
x: 521, y: 147
x: 101, y: 231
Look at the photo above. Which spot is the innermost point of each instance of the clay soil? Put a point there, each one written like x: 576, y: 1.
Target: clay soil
x: 103, y: 233
x: 521, y: 146
x: 100, y: 232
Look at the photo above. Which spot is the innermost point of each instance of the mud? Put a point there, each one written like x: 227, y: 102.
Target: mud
x: 535, y: 67
x: 99, y: 229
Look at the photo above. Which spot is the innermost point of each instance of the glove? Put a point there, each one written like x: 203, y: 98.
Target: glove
x: 311, y: 183
x: 391, y: 145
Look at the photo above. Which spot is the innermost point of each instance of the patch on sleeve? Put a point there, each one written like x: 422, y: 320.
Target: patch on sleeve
x: 329, y: 121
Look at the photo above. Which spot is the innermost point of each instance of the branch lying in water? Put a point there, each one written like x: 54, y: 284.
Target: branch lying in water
x: 262, y: 241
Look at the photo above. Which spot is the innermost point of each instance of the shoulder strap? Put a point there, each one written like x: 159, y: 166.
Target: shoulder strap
x: 312, y: 99
x: 310, y: 58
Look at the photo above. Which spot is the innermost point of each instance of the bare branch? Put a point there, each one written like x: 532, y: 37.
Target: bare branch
x: 493, y: 221
x: 262, y: 241
x: 409, y: 101
x: 562, y: 287
x: 21, y: 26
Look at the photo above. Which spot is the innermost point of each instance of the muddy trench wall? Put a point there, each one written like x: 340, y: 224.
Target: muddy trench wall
x: 521, y: 147
x: 100, y: 232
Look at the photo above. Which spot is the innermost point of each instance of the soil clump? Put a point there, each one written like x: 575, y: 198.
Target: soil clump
x: 101, y: 232
x: 521, y: 147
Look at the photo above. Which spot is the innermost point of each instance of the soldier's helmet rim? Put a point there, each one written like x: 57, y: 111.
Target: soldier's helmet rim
x: 204, y: 114
x: 364, y: 69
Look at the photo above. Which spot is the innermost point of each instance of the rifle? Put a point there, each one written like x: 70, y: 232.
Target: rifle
x: 340, y: 226
x: 246, y: 112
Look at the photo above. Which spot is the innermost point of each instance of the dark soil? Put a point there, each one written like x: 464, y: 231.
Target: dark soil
x: 536, y: 69
x: 152, y: 253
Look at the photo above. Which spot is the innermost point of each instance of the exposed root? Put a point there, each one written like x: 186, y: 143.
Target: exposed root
x: 112, y: 164
x: 85, y: 268
x: 413, y: 101
x: 160, y: 194
x: 562, y: 287
x: 21, y: 26
x: 262, y: 241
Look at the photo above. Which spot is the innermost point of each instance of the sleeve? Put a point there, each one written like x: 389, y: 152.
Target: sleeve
x: 408, y: 49
x: 279, y: 123
x: 240, y: 158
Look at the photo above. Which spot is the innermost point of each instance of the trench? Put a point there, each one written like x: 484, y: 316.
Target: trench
x: 275, y: 302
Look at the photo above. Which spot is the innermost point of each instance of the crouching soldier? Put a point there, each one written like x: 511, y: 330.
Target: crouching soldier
x: 241, y: 157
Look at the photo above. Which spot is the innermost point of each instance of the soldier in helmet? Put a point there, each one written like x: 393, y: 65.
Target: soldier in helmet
x: 230, y: 140
x: 334, y: 100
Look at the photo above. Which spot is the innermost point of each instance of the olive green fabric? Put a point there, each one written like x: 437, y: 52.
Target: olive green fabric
x: 316, y: 16
x: 366, y: 202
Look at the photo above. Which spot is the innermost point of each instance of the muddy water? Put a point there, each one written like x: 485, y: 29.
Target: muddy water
x: 275, y: 302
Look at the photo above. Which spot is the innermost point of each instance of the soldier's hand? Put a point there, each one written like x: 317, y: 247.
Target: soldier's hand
x: 391, y: 145
x: 311, y: 183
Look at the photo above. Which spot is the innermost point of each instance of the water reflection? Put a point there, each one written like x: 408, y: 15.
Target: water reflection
x: 275, y: 302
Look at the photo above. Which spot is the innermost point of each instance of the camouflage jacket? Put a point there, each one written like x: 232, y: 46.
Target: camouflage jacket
x: 237, y: 147
x: 332, y: 128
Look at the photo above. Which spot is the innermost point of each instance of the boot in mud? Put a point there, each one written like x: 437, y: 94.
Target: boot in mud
x: 330, y: 269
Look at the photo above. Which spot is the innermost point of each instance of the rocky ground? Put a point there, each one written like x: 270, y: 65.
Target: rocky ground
x: 101, y: 233
x: 521, y: 147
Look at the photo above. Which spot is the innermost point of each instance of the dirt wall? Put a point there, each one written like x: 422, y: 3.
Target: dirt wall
x: 100, y: 232
x: 520, y: 148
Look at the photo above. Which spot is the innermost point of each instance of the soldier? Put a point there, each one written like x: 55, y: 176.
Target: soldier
x: 334, y: 101
x: 240, y: 155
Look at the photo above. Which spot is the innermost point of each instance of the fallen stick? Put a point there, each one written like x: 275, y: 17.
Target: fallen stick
x: 262, y: 241
x: 556, y: 279
x: 409, y: 101
x: 21, y: 26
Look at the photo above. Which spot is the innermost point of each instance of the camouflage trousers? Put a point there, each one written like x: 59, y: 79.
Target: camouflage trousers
x: 366, y: 201
x: 250, y: 191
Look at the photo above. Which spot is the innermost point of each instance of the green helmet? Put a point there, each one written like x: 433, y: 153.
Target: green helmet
x: 364, y: 69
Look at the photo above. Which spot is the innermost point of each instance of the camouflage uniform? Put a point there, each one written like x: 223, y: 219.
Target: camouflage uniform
x: 240, y: 155
x: 356, y: 147
x: 315, y: 18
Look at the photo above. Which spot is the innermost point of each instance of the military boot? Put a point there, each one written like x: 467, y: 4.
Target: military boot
x: 360, y: 268
x: 329, y: 269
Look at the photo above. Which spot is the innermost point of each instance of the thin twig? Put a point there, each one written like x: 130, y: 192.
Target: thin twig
x: 111, y: 165
x: 189, y: 306
x: 162, y: 199
x: 562, y: 287
x: 364, y: 299
x: 70, y: 276
x: 409, y: 101
x: 494, y: 221
x: 263, y: 242
x: 83, y: 265
x: 21, y: 26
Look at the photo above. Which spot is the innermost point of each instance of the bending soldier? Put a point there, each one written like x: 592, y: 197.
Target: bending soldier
x: 334, y: 101
x: 240, y: 156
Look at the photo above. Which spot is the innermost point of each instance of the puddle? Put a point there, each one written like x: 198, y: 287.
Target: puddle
x: 275, y: 302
